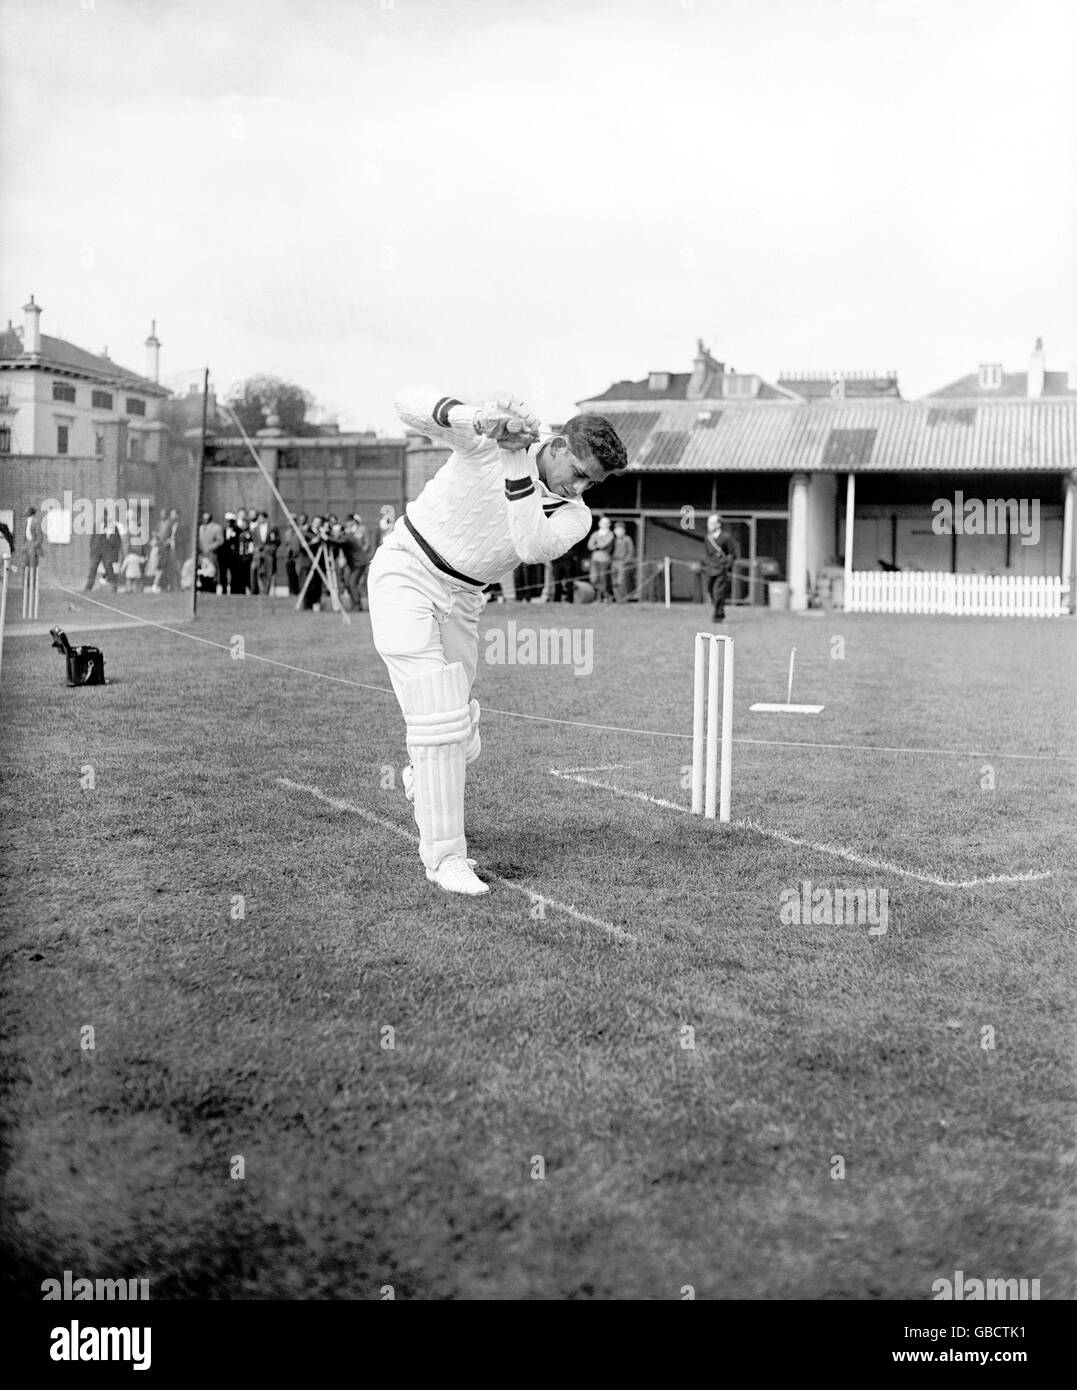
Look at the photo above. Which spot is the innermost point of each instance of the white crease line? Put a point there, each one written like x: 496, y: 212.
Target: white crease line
x: 836, y: 850
x: 617, y: 933
x: 609, y: 767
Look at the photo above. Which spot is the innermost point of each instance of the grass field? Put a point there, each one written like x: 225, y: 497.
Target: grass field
x: 523, y: 1030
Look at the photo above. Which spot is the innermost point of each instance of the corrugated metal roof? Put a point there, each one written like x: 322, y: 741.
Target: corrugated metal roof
x: 663, y: 449
x: 888, y: 435
x: 633, y: 427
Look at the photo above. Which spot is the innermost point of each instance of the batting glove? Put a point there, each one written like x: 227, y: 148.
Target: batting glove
x: 508, y: 422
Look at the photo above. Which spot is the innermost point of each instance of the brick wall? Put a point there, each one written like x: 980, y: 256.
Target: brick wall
x: 28, y: 480
x: 228, y: 489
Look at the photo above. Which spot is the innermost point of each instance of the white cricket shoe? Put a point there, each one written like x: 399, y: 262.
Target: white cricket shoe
x: 455, y: 875
x: 407, y: 779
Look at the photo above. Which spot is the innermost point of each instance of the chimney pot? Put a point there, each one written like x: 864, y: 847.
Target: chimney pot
x: 1037, y: 371
x: 153, y: 354
x: 31, y: 337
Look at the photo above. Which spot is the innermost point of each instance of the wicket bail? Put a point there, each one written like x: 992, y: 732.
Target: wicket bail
x: 706, y: 692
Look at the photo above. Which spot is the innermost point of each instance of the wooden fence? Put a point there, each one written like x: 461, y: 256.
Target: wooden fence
x: 987, y: 595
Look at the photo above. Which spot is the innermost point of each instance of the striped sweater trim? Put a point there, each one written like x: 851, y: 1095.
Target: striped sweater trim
x: 516, y: 488
x: 440, y: 413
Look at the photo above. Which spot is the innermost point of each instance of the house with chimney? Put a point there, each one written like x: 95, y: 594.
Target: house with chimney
x: 832, y: 483
x: 75, y: 424
x: 56, y: 398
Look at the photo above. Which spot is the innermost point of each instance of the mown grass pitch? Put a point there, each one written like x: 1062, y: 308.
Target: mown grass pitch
x: 254, y: 1029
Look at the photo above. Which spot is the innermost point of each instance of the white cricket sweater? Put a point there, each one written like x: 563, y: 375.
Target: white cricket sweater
x: 486, y: 509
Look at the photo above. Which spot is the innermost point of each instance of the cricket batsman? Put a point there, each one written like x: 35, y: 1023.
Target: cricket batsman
x: 509, y: 492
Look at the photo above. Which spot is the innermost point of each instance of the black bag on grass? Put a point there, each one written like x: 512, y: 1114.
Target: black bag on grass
x: 85, y: 665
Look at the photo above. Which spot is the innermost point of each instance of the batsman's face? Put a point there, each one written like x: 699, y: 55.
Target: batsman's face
x: 566, y: 473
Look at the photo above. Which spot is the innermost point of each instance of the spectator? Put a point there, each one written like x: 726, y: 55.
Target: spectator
x: 719, y: 554
x: 207, y: 574
x: 244, y: 553
x: 622, y: 555
x: 97, y: 557
x: 317, y: 536
x: 354, y: 548
x: 210, y: 543
x: 295, y: 556
x: 265, y: 542
x: 600, y: 545
x: 153, y: 566
x: 131, y: 568
x: 225, y: 552
x: 112, y: 554
x: 168, y: 563
x: 33, y: 540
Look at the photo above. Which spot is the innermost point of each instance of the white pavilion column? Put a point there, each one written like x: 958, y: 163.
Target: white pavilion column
x: 798, y: 541
x: 850, y: 508
x: 1069, y: 559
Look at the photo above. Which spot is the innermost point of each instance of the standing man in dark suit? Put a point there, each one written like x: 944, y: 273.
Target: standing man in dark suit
x: 265, y: 540
x: 167, y: 546
x: 112, y: 554
x: 354, y: 546
x: 295, y: 555
x: 33, y: 544
x: 210, y: 541
x: 719, y: 554
x: 241, y: 565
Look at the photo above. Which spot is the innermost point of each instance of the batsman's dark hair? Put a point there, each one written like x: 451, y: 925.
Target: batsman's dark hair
x: 594, y: 435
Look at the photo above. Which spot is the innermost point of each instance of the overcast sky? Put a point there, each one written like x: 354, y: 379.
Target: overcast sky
x: 541, y: 195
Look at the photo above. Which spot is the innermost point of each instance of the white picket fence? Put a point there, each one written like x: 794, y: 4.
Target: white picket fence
x: 986, y: 595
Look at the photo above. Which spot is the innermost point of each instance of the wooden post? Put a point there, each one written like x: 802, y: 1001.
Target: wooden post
x: 3, y: 604
x: 198, y: 494
x: 1069, y: 566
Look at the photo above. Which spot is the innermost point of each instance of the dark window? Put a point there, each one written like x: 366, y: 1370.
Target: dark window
x: 5, y: 439
x: 61, y: 439
x: 102, y: 400
x: 964, y: 416
x: 135, y: 406
x: 99, y: 444
x: 848, y: 448
x: 619, y: 491
x: 672, y: 490
x: 62, y: 392
x: 134, y: 447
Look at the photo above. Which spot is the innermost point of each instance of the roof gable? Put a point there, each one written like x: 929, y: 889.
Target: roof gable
x: 1013, y: 386
x: 61, y: 355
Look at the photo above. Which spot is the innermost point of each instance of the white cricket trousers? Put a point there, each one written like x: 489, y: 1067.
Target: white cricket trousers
x: 422, y: 622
